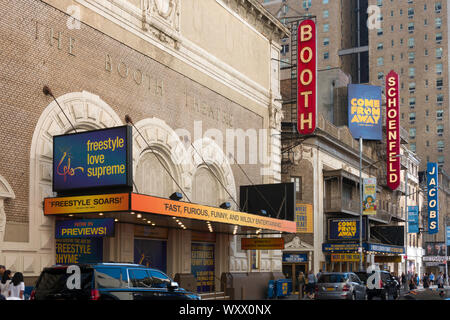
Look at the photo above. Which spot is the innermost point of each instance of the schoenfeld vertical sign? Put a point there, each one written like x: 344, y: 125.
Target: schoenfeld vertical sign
x: 306, y: 77
x: 92, y: 159
x: 392, y: 131
x: 432, y: 190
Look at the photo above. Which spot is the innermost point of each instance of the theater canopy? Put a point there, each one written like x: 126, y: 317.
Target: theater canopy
x: 127, y: 206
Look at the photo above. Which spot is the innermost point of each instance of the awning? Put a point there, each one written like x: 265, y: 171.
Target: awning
x: 126, y: 207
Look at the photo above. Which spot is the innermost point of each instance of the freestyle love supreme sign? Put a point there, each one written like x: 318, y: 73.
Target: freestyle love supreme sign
x: 149, y: 204
x: 392, y: 131
x: 92, y: 159
x: 306, y: 78
x: 87, y: 204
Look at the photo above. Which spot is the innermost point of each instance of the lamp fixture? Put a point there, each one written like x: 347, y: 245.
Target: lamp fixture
x: 177, y: 196
x: 225, y: 205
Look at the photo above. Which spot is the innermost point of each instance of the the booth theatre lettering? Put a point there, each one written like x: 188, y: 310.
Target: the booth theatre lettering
x: 55, y: 38
x: 152, y: 84
x: 214, y: 112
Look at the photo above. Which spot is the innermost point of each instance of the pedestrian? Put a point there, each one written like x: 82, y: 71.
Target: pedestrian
x: 17, y: 286
x: 5, y: 283
x: 318, y: 274
x: 2, y: 270
x: 440, y: 280
x: 311, y: 286
x: 301, y: 285
x: 431, y: 278
x: 426, y: 281
x: 403, y: 279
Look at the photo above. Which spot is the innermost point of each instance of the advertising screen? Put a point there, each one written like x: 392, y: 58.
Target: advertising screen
x: 92, y: 159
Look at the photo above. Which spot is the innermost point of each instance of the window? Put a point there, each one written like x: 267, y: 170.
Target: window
x: 412, y: 133
x: 325, y: 13
x: 412, y: 87
x: 380, y: 46
x: 438, y: 37
x: 438, y: 23
x: 412, y: 102
x: 439, y: 68
x: 380, y: 3
x: 284, y: 49
x: 109, y: 278
x: 412, y: 117
x: 440, y: 99
x: 425, y: 22
x: 439, y: 83
x: 380, y: 61
x: 298, y: 186
x: 411, y: 43
x: 437, y: 7
x: 440, y: 130
x: 439, y: 114
x: 140, y: 278
x: 326, y: 55
x: 440, y: 160
x: 440, y: 146
x: 380, y: 75
x: 159, y: 280
x: 379, y: 32
x: 412, y: 72
x: 411, y: 27
x: 410, y: 13
x: 325, y: 1
x: 326, y: 41
x: 439, y: 53
x: 412, y: 146
x: 426, y: 52
x: 326, y: 27
x: 411, y: 55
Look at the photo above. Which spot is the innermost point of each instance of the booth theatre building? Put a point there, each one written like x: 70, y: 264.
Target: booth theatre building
x: 128, y: 130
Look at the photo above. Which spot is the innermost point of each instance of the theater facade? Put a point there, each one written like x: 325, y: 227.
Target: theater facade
x: 200, y: 81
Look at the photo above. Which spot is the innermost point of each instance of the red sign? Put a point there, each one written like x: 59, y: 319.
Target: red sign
x: 392, y: 131
x: 306, y: 77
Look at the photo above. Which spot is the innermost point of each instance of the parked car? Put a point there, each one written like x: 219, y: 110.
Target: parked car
x: 108, y: 281
x: 388, y: 285
x: 340, y: 285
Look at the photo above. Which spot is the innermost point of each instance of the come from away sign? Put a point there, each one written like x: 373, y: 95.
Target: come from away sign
x: 433, y: 205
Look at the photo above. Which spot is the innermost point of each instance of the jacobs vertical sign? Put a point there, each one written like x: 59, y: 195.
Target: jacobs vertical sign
x: 306, y: 77
x: 433, y: 205
x: 392, y: 131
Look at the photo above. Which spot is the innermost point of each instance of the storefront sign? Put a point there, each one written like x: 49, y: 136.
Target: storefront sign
x: 370, y: 196
x: 87, y: 204
x: 388, y: 259
x: 340, y: 247
x: 392, y: 130
x: 75, y: 251
x: 433, y: 205
x: 345, y: 229
x: 306, y: 77
x: 345, y: 257
x: 92, y: 159
x: 364, y: 111
x: 202, y: 266
x: 384, y: 248
x: 413, y: 219
x: 262, y: 244
x: 150, y: 204
x: 93, y: 228
x: 304, y: 218
x: 295, y: 257
x: 441, y: 259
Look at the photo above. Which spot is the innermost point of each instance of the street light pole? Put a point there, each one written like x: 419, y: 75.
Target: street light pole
x: 406, y: 228
x: 360, y: 206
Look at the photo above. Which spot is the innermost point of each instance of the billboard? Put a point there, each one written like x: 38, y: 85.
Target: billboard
x: 413, y: 219
x: 306, y: 77
x: 202, y: 265
x: 435, y: 249
x: 86, y: 228
x: 369, y: 196
x: 78, y: 251
x: 392, y: 131
x: 346, y: 229
x: 432, y: 192
x: 92, y: 159
x: 262, y: 243
x: 304, y: 218
x: 364, y: 111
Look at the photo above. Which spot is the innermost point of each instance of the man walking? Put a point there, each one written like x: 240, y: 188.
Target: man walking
x: 440, y: 280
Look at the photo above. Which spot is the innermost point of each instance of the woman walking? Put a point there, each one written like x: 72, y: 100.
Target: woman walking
x: 17, y: 286
x: 4, y: 283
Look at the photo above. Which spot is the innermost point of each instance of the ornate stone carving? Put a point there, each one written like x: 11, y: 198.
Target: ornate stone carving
x: 161, y: 19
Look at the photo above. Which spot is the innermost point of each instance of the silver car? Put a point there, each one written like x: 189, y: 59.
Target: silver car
x: 340, y: 285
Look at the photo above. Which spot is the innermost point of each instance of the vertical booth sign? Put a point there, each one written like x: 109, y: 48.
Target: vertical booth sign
x: 432, y: 191
x: 306, y: 77
x: 392, y: 130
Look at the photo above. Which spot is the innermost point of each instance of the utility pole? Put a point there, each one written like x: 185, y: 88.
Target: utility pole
x: 406, y: 228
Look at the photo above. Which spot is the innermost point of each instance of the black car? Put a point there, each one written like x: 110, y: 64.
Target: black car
x: 107, y: 281
x: 388, y: 286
